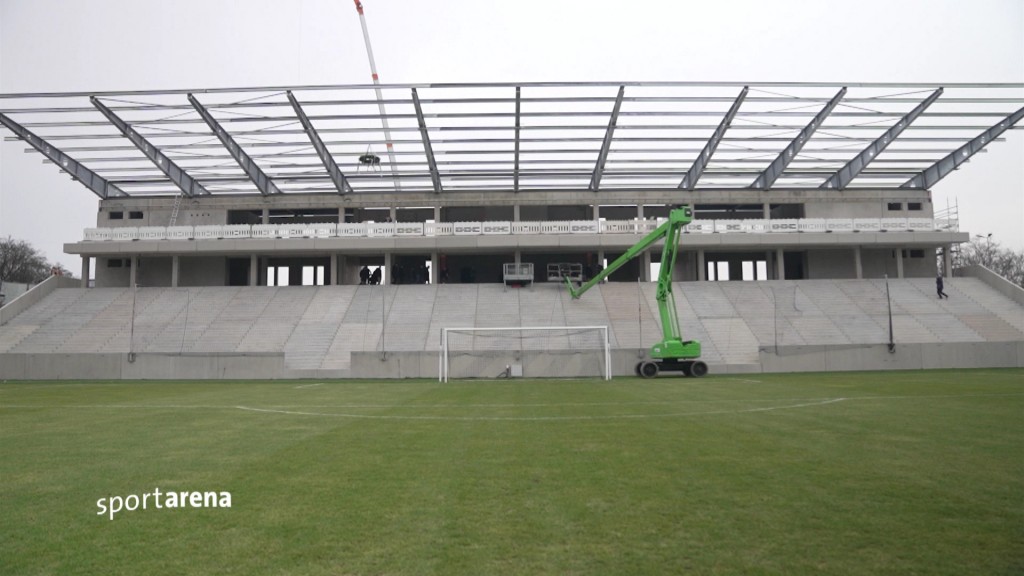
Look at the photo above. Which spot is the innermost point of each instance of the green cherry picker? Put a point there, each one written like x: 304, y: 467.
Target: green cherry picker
x: 672, y: 354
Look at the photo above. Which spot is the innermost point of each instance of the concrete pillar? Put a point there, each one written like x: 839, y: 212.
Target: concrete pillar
x: 780, y: 264
x: 947, y: 260
x: 767, y: 266
x: 435, y: 272
x: 515, y: 212
x: 702, y: 267
x: 387, y: 279
x: 639, y: 211
x: 437, y: 213
x: 858, y: 263
x: 519, y: 257
x: 645, y: 266
x: 341, y: 215
x: 766, y: 210
x: 597, y: 211
x: 899, y: 263
x: 393, y: 213
x: 86, y: 263
x: 175, y: 270
x: 600, y: 258
x: 335, y: 265
x: 254, y: 270
x: 134, y: 274
x: 266, y: 215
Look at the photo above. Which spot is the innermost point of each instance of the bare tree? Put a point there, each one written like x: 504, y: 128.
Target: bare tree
x: 20, y: 262
x: 1006, y: 262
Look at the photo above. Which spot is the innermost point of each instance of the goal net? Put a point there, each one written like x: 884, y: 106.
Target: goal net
x: 531, y: 352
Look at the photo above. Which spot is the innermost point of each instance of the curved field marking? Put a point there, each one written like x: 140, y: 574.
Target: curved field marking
x: 535, y: 418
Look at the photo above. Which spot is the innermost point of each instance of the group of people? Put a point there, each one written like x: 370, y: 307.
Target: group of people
x: 367, y: 277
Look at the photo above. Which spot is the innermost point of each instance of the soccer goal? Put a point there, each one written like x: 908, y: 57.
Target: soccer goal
x: 532, y: 352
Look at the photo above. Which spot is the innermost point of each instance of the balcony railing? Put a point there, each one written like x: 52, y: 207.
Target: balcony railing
x: 433, y: 229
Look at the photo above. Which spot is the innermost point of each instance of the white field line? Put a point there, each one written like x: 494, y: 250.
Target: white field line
x: 800, y: 403
x: 309, y: 385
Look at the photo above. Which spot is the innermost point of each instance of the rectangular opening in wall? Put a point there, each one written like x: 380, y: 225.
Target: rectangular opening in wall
x: 914, y: 206
x: 917, y: 253
x: 117, y: 215
x: 722, y: 271
x: 277, y: 276
x: 761, y: 267
x: 135, y: 215
x: 114, y: 263
x: 894, y: 206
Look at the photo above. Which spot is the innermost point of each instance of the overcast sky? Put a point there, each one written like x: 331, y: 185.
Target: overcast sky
x: 97, y: 45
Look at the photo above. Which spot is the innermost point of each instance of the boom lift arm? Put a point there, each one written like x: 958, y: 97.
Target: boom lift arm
x: 672, y: 353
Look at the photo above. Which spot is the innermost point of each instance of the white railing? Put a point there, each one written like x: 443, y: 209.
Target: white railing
x: 419, y: 229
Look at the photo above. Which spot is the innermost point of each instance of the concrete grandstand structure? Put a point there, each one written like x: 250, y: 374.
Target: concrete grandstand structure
x: 216, y: 205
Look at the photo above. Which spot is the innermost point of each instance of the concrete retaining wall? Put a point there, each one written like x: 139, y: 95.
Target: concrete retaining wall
x: 535, y: 365
x: 905, y: 357
x: 144, y: 367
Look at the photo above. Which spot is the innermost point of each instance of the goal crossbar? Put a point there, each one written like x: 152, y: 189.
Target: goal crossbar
x: 444, y: 365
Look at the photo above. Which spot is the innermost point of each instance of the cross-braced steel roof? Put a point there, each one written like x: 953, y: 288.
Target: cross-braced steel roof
x: 514, y: 136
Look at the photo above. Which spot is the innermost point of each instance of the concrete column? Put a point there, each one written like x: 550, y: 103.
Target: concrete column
x: 387, y: 270
x: 435, y: 272
x: 947, y: 260
x: 393, y: 213
x: 645, y: 266
x: 767, y: 266
x: 341, y: 215
x: 266, y: 215
x: 766, y: 211
x: 899, y: 262
x: 133, y: 275
x: 639, y: 211
x: 519, y: 257
x: 175, y: 270
x: 254, y: 270
x: 702, y: 267
x: 858, y: 263
x: 437, y: 213
x: 86, y: 263
x: 600, y: 258
x: 597, y: 212
x: 515, y: 212
x: 335, y: 266
x: 780, y: 264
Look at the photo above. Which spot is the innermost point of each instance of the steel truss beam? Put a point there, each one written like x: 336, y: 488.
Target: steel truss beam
x: 188, y: 185
x: 602, y: 156
x: 942, y: 168
x: 98, y: 184
x: 842, y: 178
x: 435, y: 176
x: 263, y: 183
x: 778, y: 166
x: 515, y: 175
x: 693, y: 174
x: 325, y: 155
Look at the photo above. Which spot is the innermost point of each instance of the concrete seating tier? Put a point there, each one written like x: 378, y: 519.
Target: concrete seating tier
x: 318, y: 328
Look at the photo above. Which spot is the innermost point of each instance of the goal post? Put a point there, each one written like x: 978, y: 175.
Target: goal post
x: 525, y: 351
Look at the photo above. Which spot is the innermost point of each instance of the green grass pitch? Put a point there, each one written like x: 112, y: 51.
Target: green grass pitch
x: 853, y: 473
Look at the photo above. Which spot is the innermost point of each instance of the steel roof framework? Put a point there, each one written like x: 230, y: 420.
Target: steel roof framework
x: 517, y: 136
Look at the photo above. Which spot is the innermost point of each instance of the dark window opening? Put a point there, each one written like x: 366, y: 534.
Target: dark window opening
x: 135, y: 215
x: 114, y: 263
x: 117, y: 215
x: 914, y: 206
x: 894, y: 206
x: 917, y: 253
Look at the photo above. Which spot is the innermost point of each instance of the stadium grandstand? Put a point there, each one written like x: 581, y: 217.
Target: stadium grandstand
x: 316, y: 231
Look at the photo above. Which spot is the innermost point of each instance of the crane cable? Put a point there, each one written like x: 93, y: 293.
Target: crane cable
x: 380, y: 98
